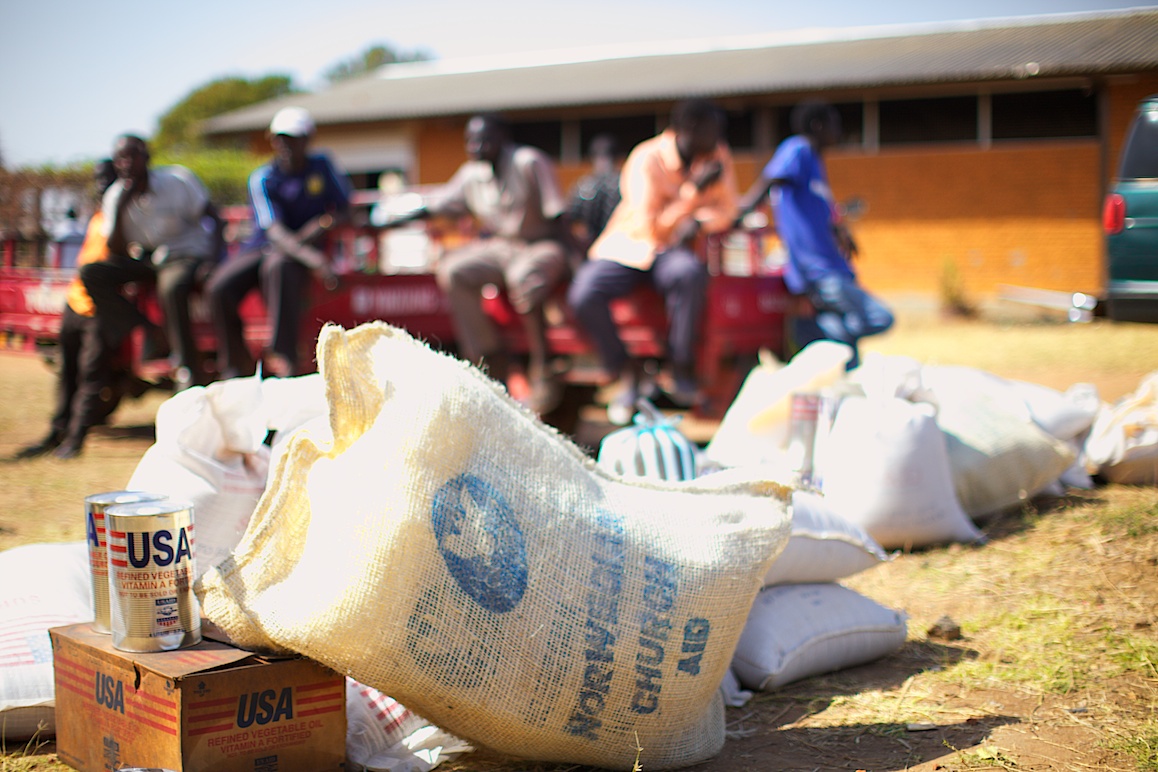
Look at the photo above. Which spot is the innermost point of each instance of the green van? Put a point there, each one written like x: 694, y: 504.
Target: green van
x: 1130, y: 220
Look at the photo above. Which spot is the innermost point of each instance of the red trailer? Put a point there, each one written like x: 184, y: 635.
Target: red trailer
x: 386, y: 276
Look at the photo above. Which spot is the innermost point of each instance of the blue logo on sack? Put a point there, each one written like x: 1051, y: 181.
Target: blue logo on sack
x: 481, y: 542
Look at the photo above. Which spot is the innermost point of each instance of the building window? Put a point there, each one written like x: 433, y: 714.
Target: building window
x: 628, y: 130
x: 545, y: 135
x: 739, y: 131
x: 944, y: 119
x: 1045, y: 114
x: 851, y: 122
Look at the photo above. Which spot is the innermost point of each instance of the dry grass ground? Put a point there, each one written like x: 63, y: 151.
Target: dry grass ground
x: 1057, y: 668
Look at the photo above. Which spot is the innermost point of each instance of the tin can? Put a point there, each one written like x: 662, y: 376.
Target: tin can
x: 825, y: 416
x: 94, y: 515
x: 805, y: 407
x: 151, y: 570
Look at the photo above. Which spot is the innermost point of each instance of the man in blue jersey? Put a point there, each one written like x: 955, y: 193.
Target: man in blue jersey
x: 296, y: 198
x: 819, y: 247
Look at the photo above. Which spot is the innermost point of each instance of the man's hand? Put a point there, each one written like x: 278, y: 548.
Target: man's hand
x: 845, y: 241
x: 316, y: 261
x: 686, y: 230
x: 707, y: 175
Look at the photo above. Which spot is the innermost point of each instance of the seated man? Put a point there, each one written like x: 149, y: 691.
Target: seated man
x: 296, y: 198
x: 819, y: 248
x: 595, y: 196
x: 525, y: 248
x: 674, y: 186
x: 155, y: 230
x: 88, y: 384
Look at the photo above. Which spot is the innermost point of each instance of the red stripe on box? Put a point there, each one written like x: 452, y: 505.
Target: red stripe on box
x: 210, y: 729
x: 320, y: 698
x: 151, y: 711
x: 318, y: 685
x: 210, y: 717
x: 158, y: 701
x: 320, y: 711
x: 69, y: 687
x: 212, y: 703
x: 72, y: 666
x: 147, y: 722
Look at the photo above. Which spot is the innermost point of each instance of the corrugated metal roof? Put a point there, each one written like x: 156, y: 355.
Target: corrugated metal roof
x: 1032, y: 47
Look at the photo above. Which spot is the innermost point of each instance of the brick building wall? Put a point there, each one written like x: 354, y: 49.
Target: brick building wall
x: 1024, y: 212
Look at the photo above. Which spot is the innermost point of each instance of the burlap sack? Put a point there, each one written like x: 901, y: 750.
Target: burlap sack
x: 455, y: 553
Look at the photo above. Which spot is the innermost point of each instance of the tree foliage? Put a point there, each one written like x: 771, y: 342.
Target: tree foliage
x: 223, y: 171
x: 22, y: 193
x: 371, y: 59
x: 179, y: 128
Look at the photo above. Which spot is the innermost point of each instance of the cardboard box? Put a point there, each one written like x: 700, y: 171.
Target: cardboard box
x: 206, y: 708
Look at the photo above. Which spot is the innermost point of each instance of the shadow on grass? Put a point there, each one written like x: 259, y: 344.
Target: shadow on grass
x: 763, y: 735
x: 140, y: 432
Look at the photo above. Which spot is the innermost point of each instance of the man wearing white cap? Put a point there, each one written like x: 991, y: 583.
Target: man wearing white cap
x: 296, y: 198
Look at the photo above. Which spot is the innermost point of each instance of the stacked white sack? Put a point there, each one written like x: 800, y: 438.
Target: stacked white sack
x: 41, y: 586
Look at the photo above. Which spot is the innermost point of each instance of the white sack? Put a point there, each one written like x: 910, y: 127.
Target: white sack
x: 454, y: 552
x: 1123, y: 442
x: 735, y: 696
x: 1064, y: 415
x: 41, y: 586
x: 799, y: 630
x: 375, y: 723
x: 887, y: 471
x: 754, y: 429
x: 823, y: 546
x: 288, y: 403
x: 208, y: 451
x: 881, y: 376
x: 997, y: 455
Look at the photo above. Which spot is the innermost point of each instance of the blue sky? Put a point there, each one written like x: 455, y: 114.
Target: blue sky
x: 75, y: 74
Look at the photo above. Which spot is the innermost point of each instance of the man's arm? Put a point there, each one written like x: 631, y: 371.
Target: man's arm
x: 117, y: 243
x: 754, y: 197
x: 211, y: 212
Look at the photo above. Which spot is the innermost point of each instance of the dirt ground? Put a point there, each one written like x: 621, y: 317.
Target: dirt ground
x: 936, y: 704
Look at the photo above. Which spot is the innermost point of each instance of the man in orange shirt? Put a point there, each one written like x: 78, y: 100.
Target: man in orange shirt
x: 675, y: 186
x: 89, y: 385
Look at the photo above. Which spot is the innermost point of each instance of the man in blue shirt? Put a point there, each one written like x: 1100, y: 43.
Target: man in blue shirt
x: 296, y: 198
x: 819, y: 248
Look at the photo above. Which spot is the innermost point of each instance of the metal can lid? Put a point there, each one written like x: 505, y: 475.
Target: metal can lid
x: 150, y: 508
x: 112, y: 498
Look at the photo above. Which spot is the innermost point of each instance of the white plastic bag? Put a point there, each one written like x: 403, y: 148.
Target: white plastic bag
x: 41, y: 586
x: 209, y: 451
x: 376, y: 724
x: 1123, y: 442
x: 799, y: 630
x: 754, y: 430
x: 887, y: 471
x: 823, y: 546
x: 998, y: 456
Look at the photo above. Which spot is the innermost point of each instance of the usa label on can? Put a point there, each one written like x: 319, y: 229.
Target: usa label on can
x: 151, y: 572
x: 94, y: 515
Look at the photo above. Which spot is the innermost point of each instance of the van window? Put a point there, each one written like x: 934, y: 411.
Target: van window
x: 1140, y: 156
